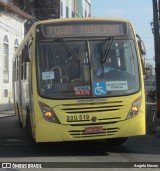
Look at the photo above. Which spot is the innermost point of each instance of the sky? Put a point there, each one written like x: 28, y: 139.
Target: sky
x: 138, y: 12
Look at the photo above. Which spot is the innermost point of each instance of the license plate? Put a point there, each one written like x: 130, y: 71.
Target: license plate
x: 93, y: 130
x: 75, y: 118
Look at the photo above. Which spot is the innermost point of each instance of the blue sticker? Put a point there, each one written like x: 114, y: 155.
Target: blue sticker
x: 99, y: 89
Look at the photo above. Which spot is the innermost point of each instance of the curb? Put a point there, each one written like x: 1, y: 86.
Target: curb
x: 6, y: 116
x: 8, y: 113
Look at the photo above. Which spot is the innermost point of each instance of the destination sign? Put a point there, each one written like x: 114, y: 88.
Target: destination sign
x: 79, y: 30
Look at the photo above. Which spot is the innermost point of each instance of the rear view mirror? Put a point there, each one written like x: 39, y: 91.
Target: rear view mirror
x: 25, y: 53
x: 141, y: 45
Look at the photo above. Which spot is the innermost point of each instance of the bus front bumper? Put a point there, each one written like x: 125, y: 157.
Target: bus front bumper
x: 51, y: 132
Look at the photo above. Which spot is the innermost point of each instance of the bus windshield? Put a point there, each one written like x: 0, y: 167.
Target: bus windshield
x: 78, y: 68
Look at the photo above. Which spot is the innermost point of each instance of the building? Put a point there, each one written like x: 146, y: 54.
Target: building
x: 51, y: 9
x: 13, y: 15
x: 75, y: 8
x: 12, y: 32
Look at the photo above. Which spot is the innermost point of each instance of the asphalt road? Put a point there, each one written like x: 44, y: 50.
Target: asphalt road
x: 14, y: 148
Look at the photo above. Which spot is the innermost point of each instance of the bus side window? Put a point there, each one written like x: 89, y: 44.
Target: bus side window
x: 21, y: 67
x: 25, y: 59
x: 14, y: 70
x: 16, y: 66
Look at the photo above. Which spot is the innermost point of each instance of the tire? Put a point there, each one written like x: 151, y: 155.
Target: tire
x: 28, y: 130
x: 116, y: 141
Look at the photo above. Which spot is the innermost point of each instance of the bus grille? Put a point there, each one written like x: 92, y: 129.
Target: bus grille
x: 82, y: 134
x: 110, y: 110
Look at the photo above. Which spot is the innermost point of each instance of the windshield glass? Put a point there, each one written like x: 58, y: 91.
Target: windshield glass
x: 87, y: 68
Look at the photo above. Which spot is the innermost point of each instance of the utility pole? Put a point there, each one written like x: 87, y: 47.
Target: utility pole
x: 156, y: 28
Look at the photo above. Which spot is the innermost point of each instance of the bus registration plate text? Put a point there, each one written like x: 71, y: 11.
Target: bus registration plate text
x: 74, y: 118
x: 93, y: 130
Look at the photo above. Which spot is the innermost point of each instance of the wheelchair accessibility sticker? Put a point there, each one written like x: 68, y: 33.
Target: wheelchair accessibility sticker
x: 99, y: 89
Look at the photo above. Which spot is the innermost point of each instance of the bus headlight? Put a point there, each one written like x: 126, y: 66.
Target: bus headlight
x: 134, y: 110
x: 48, y: 113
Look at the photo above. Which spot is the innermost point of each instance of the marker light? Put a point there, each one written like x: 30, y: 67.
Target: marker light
x: 134, y: 110
x: 48, y: 113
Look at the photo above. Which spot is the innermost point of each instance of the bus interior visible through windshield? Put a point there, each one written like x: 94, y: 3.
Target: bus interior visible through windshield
x: 64, y: 67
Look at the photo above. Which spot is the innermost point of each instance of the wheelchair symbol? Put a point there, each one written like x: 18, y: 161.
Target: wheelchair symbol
x: 100, y: 89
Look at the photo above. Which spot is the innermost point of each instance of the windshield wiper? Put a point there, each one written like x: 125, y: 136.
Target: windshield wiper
x: 104, y: 58
x: 69, y: 48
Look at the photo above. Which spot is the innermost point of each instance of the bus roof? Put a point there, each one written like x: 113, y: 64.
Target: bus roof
x: 81, y: 19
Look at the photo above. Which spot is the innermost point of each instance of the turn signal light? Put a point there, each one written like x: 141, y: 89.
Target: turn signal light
x: 48, y: 113
x: 134, y: 110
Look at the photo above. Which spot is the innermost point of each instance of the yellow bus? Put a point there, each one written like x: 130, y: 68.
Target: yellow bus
x: 80, y: 79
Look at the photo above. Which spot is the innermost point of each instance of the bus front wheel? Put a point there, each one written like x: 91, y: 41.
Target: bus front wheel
x: 19, y: 119
x: 28, y: 130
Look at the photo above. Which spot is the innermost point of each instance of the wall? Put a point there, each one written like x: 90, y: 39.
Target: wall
x: 12, y: 26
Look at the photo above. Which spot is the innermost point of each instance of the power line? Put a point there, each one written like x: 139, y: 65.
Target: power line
x: 12, y: 30
x: 147, y: 37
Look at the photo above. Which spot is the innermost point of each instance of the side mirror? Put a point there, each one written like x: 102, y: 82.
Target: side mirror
x: 141, y: 45
x: 25, y: 53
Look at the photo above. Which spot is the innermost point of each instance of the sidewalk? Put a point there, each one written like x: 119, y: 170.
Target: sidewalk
x: 7, y: 113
